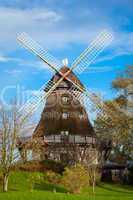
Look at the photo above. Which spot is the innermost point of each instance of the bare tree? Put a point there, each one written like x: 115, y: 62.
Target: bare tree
x: 10, y: 129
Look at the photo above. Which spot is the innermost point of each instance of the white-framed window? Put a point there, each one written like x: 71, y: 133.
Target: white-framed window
x: 81, y: 116
x: 130, y: 97
x: 64, y: 133
x: 65, y: 99
x: 65, y: 115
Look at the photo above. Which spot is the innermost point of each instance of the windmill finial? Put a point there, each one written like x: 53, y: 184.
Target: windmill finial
x: 65, y: 62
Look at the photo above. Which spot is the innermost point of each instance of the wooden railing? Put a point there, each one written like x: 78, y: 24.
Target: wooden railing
x: 70, y: 139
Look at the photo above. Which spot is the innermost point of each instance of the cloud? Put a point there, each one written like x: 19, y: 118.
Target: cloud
x: 5, y: 59
x: 39, y: 65
x: 13, y: 72
x: 19, y: 20
x: 59, y: 28
x: 100, y: 69
x: 53, y: 29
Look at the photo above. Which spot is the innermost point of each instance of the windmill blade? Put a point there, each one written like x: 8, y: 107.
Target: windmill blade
x: 34, y: 102
x: 92, y: 52
x: 87, y: 98
x: 35, y: 48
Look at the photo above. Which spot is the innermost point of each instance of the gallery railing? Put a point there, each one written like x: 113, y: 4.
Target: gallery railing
x: 70, y: 139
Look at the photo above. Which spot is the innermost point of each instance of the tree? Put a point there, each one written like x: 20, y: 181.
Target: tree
x: 116, y: 124
x: 10, y: 129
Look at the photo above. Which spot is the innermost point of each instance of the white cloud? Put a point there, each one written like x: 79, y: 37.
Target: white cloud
x: 47, y: 16
x: 38, y: 65
x: 3, y: 59
x: 50, y: 28
x: 13, y: 72
x: 100, y: 69
x: 57, y: 30
x: 14, y: 21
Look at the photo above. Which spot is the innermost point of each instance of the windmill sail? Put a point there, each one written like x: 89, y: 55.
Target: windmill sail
x: 92, y: 52
x: 90, y: 99
x: 43, y: 54
x: 34, y: 102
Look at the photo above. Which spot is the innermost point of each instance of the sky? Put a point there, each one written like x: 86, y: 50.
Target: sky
x: 65, y: 28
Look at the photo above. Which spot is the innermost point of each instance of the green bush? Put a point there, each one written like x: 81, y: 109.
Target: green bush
x: 34, y: 178
x: 75, y: 178
x: 53, y: 177
x: 39, y: 166
x: 29, y: 166
x: 54, y: 166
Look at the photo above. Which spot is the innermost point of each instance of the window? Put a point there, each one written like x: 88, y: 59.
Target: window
x: 130, y: 97
x: 65, y: 115
x: 65, y: 99
x: 81, y: 116
x: 65, y: 136
x: 64, y: 133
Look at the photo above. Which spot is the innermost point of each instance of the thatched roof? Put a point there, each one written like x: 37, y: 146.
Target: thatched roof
x: 52, y: 120
x: 54, y: 124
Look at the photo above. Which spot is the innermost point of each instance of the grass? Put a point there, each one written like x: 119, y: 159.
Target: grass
x: 19, y: 190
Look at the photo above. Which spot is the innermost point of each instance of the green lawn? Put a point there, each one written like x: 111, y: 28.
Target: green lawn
x: 18, y: 190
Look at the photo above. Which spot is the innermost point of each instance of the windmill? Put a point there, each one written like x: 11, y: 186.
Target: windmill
x: 64, y: 84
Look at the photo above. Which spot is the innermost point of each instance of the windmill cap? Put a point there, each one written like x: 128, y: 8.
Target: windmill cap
x: 65, y: 62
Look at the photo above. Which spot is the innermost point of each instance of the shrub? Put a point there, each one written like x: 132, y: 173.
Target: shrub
x: 75, y: 178
x: 39, y: 166
x: 53, y: 177
x: 30, y: 166
x: 34, y: 178
x: 54, y: 166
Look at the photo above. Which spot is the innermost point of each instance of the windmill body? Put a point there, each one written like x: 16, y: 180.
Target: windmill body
x: 64, y: 124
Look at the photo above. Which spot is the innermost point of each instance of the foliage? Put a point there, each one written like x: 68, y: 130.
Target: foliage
x: 75, y: 178
x: 40, y: 166
x: 34, y: 178
x: 30, y: 166
x: 53, y: 177
x: 124, y: 80
x: 115, y: 121
x: 54, y: 166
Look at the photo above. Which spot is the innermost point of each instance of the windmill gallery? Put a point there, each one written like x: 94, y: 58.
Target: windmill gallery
x: 64, y: 132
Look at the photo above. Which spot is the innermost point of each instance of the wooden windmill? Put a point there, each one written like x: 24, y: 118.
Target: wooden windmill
x: 64, y: 122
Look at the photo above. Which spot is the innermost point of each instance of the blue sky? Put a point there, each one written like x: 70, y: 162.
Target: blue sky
x: 65, y: 28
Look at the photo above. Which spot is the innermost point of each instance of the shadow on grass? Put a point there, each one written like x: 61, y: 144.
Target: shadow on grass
x: 50, y: 187
x: 13, y: 189
x: 118, y: 190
